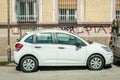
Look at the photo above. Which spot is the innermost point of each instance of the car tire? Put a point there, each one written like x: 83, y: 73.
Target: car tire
x: 95, y: 62
x: 28, y: 64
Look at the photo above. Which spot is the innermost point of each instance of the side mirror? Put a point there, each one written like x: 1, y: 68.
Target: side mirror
x: 90, y: 42
x: 78, y: 44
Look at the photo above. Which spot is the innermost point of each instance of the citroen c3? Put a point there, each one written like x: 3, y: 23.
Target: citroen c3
x: 59, y: 48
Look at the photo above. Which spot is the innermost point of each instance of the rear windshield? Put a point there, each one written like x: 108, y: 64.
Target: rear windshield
x: 18, y: 40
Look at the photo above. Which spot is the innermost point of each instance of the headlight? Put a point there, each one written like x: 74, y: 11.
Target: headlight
x: 106, y: 49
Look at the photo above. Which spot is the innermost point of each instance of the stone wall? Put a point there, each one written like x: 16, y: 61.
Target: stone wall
x: 103, y: 36
x: 3, y: 43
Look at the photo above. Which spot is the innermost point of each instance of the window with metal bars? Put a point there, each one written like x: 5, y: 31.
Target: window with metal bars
x: 117, y: 9
x: 67, y: 11
x: 26, y: 10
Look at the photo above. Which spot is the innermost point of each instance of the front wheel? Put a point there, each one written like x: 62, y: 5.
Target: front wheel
x: 28, y: 64
x: 95, y: 62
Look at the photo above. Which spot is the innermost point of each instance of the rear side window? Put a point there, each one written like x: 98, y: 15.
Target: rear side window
x: 44, y: 38
x: 29, y: 39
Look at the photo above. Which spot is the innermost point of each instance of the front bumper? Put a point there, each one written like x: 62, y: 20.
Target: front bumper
x: 109, y: 58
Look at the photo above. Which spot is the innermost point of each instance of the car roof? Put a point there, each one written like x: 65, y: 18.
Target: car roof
x: 52, y: 31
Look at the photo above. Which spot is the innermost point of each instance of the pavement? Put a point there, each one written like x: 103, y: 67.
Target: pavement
x: 4, y: 58
x: 11, y: 64
x: 12, y: 72
x: 60, y: 73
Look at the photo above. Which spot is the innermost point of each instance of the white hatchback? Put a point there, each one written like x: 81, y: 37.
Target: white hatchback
x: 59, y: 48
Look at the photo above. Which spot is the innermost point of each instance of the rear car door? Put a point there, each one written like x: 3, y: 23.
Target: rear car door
x: 45, y: 48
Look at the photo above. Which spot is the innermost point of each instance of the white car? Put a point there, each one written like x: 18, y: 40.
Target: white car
x: 59, y: 48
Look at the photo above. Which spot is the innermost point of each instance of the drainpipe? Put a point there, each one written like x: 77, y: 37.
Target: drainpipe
x: 8, y: 48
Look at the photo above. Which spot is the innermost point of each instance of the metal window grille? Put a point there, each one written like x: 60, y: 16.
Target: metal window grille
x: 26, y: 10
x: 118, y: 9
x: 67, y: 11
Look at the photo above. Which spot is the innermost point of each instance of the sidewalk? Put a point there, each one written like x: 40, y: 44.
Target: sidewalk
x: 4, y: 58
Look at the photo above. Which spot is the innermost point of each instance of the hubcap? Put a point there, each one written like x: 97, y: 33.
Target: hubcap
x: 96, y: 63
x: 28, y: 64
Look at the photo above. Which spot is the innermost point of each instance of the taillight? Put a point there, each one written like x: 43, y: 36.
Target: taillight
x: 18, y: 46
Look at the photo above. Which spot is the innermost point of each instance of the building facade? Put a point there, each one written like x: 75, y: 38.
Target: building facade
x: 88, y: 19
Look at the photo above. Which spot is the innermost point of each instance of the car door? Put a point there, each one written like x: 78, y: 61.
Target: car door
x: 68, y: 52
x: 45, y: 48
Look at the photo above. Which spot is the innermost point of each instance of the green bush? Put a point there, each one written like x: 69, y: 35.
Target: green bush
x: 3, y: 63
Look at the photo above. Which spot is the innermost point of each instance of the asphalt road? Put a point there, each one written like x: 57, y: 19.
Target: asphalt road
x: 61, y: 73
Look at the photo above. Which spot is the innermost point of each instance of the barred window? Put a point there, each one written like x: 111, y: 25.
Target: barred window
x: 26, y: 10
x: 118, y: 9
x: 67, y: 11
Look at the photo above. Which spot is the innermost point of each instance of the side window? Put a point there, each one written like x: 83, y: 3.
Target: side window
x: 80, y: 41
x: 29, y: 39
x: 65, y: 39
x: 44, y: 38
x: 68, y: 39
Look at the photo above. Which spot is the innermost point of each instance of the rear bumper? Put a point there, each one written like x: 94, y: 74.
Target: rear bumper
x: 16, y: 58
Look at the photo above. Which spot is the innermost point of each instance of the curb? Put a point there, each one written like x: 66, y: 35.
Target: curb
x: 9, y: 65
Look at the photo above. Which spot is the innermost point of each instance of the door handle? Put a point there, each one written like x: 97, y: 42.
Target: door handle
x: 61, y: 47
x: 37, y: 46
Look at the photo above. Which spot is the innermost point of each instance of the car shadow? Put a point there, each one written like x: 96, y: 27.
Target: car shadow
x: 56, y: 68
x: 60, y: 68
x: 18, y: 68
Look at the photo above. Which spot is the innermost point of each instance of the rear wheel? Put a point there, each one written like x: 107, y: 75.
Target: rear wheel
x: 95, y: 62
x: 28, y: 64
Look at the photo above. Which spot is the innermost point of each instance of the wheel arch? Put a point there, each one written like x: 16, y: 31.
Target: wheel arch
x: 29, y: 55
x: 96, y: 54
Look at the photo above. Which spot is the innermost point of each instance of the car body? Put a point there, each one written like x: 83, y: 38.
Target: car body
x: 59, y: 48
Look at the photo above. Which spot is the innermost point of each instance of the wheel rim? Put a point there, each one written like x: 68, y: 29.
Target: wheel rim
x: 96, y: 63
x: 28, y: 64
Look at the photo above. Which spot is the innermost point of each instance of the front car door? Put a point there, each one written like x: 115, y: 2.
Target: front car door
x: 68, y: 52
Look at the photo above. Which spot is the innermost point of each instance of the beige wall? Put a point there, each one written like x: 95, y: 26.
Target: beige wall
x: 47, y: 11
x: 97, y: 10
x: 3, y: 11
x: 93, y: 11
x: 100, y: 37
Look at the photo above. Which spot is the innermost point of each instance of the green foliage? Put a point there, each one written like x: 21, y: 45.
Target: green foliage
x: 3, y: 63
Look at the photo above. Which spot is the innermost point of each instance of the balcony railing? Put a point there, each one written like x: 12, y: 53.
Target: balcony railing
x: 67, y: 19
x: 27, y: 18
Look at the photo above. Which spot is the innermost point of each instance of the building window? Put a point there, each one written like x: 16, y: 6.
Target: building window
x: 67, y: 11
x: 117, y: 9
x: 26, y: 10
